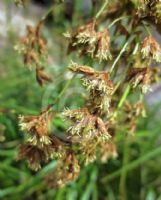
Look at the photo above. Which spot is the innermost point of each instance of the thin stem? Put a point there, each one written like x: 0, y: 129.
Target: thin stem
x: 117, y: 86
x: 102, y: 9
x: 124, y: 96
x: 134, y: 164
x: 47, y: 13
x: 147, y: 28
x: 122, y: 79
x: 122, y: 100
x: 120, y: 54
x: 64, y: 89
x: 135, y: 49
x: 50, y: 106
x: 116, y: 20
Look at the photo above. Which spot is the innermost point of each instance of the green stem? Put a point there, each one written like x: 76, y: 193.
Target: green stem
x: 122, y: 100
x: 47, y: 13
x: 120, y: 54
x: 64, y: 89
x: 133, y: 164
x: 124, y: 96
x: 102, y: 9
x: 116, y: 20
x: 117, y: 86
x: 122, y: 79
x: 146, y: 28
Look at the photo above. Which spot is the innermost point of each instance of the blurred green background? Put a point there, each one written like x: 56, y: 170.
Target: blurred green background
x: 134, y: 175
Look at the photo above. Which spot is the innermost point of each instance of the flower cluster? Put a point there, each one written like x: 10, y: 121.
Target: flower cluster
x: 150, y: 8
x: 93, y: 127
x: 108, y: 150
x: 85, y: 125
x: 99, y: 86
x: 33, y: 47
x: 155, y: 10
x: 66, y: 170
x: 151, y: 49
x: 141, y: 5
x: 132, y: 113
x: 88, y: 129
x: 86, y: 40
x: 40, y: 146
x: 141, y: 77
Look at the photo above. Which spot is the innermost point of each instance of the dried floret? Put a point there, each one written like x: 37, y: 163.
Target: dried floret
x: 98, y: 84
x: 155, y: 10
x: 132, y: 113
x: 37, y: 128
x: 33, y: 47
x: 67, y: 170
x: 141, y: 77
x: 86, y: 40
x: 151, y: 49
x: 37, y: 155
x: 85, y: 126
x: 107, y: 150
x: 103, y: 47
x: 42, y: 76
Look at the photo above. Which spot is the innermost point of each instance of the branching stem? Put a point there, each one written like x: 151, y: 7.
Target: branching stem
x: 102, y: 9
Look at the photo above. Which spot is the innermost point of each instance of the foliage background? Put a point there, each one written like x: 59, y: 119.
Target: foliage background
x: 134, y: 175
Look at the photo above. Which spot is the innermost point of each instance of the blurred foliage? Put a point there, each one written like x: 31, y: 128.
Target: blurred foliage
x: 134, y: 175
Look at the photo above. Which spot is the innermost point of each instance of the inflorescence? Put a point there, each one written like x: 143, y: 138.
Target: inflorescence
x: 106, y: 112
